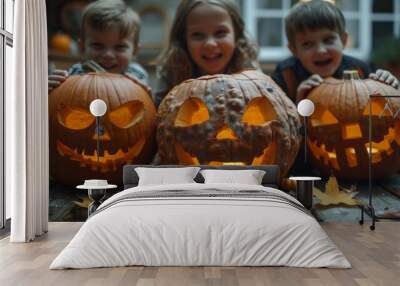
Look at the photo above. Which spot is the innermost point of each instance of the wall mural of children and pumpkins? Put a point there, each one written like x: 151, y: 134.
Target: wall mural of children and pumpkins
x: 215, y: 105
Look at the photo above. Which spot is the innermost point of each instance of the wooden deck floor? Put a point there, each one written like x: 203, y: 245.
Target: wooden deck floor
x: 375, y: 257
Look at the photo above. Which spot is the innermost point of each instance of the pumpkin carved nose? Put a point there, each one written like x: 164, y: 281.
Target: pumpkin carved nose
x: 226, y: 133
x: 104, y: 135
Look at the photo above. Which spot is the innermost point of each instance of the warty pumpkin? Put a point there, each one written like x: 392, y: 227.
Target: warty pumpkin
x: 129, y: 127
x: 338, y: 138
x: 243, y: 118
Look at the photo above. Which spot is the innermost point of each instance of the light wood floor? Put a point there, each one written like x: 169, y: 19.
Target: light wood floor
x: 375, y: 256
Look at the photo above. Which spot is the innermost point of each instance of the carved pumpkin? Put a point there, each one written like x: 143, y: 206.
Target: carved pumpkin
x: 338, y: 129
x: 243, y: 118
x: 129, y: 127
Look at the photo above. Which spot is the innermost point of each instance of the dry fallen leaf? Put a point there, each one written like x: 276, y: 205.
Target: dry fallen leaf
x: 334, y: 196
x: 85, y: 202
x: 391, y: 214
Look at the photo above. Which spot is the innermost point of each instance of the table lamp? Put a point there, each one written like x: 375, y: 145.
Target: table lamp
x: 305, y: 108
x: 98, y: 108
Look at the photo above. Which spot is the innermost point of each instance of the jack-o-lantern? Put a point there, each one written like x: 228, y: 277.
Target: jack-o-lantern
x: 242, y: 119
x: 128, y: 127
x: 339, y: 128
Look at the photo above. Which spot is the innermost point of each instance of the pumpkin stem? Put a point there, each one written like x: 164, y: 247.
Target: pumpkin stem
x: 351, y: 74
x: 91, y: 65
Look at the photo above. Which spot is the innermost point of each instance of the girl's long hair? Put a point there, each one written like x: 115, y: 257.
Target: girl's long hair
x: 175, y: 62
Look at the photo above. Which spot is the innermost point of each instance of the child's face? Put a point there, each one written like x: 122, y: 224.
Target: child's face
x: 320, y: 51
x: 210, y: 38
x: 108, y: 49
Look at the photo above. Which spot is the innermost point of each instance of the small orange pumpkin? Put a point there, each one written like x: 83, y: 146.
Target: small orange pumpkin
x: 339, y: 128
x: 244, y: 118
x: 61, y: 42
x: 129, y: 127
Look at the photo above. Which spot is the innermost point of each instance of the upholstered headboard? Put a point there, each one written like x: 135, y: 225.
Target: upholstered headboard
x: 270, y: 179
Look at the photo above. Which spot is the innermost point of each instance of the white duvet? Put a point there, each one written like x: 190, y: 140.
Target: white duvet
x: 225, y: 231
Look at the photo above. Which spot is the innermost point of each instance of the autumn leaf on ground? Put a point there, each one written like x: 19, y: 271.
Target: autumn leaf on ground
x: 334, y: 196
x: 85, y: 202
x: 392, y: 214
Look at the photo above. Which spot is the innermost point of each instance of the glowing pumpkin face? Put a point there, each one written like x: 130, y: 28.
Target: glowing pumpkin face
x: 242, y: 119
x: 339, y: 130
x: 128, y: 128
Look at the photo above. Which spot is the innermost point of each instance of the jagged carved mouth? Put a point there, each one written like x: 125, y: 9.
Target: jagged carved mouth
x: 188, y: 158
x: 108, y: 162
x: 225, y: 147
x: 379, y: 150
x: 346, y: 144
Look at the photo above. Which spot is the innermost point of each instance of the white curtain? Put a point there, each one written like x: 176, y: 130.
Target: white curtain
x: 27, y: 124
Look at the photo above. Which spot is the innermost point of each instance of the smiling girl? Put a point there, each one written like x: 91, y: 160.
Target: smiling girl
x: 207, y: 37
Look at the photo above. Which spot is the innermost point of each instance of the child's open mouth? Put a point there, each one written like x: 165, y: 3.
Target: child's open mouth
x: 212, y: 57
x: 108, y: 66
x: 323, y: 63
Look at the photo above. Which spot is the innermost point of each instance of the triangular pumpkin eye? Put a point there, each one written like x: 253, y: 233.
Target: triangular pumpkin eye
x: 322, y: 116
x: 75, y: 118
x: 379, y: 107
x: 127, y: 114
x: 193, y: 111
x: 258, y: 112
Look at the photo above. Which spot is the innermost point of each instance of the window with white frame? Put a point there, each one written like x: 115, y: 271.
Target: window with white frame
x: 385, y: 20
x: 9, y: 15
x: 367, y: 21
x: 6, y: 60
x: 265, y: 22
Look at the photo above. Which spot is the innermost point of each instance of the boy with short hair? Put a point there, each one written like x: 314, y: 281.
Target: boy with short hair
x: 316, y: 34
x: 109, y: 36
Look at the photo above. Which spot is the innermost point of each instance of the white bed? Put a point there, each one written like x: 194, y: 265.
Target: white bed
x: 201, y: 224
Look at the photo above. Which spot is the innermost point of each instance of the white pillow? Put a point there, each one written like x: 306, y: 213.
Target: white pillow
x: 162, y: 176
x: 248, y: 177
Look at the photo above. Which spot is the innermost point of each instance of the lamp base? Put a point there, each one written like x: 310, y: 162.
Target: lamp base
x: 97, y: 195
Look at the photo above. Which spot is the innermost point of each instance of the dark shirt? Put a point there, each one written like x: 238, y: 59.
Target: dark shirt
x: 161, y: 90
x: 297, y: 73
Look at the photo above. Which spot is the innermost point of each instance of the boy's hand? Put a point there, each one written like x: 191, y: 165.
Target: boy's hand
x: 304, y: 87
x: 385, y: 77
x: 56, y: 78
